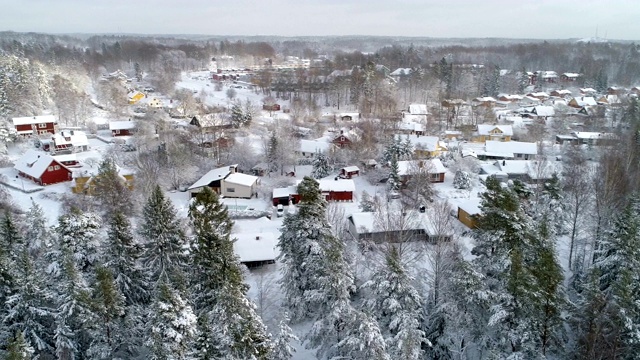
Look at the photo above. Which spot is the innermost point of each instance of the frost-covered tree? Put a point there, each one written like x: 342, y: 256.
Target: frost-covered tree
x: 121, y: 255
x: 111, y: 190
x: 398, y: 149
x: 165, y: 242
x: 172, y: 327
x: 396, y: 305
x: 462, y: 180
x: 321, y: 167
x: 76, y: 237
x: 302, y: 245
x: 19, y: 348
x: 230, y: 325
x: 37, y: 234
x: 237, y: 115
x: 367, y: 204
x: 109, y: 310
x: 394, y: 177
x: 282, y: 348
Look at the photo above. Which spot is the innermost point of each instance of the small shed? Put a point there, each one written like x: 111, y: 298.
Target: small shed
x: 349, y: 172
x: 282, y: 196
x: 122, y: 128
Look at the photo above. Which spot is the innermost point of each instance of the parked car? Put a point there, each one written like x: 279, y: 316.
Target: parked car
x: 280, y: 210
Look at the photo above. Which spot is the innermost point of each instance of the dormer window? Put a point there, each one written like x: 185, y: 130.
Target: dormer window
x: 341, y: 138
x: 42, y: 126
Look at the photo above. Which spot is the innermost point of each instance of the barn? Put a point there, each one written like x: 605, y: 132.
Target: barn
x: 349, y: 172
x: 42, y: 168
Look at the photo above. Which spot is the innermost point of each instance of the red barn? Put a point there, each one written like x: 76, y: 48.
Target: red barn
x: 349, y: 172
x: 35, y: 125
x: 122, y: 128
x: 42, y: 168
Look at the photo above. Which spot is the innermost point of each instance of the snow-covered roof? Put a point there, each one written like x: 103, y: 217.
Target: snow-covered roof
x: 122, y: 125
x: 27, y: 120
x: 585, y: 101
x: 284, y: 192
x: 213, y: 175
x: 340, y: 185
x: 65, y: 158
x: 418, y: 109
x: 380, y: 222
x: 408, y: 124
x: 313, y: 146
x: 485, y: 99
x: 34, y: 163
x: 538, y: 94
x: 485, y: 129
x: 588, y: 90
x: 610, y: 99
x: 562, y: 92
x: 350, y: 168
x: 544, y: 110
x: 409, y: 167
x: 571, y: 75
x: 241, y: 179
x: 75, y: 138
x: 401, y: 72
x: 592, y: 135
x: 471, y: 206
x: 250, y: 247
x: 509, y: 148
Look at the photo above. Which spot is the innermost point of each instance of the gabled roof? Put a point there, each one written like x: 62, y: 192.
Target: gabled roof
x: 122, y: 125
x: 211, y: 176
x: 429, y: 143
x: 544, y: 111
x: 76, y: 138
x: 410, y: 167
x: 313, y: 146
x: 34, y: 163
x: 375, y: 222
x: 27, y: 120
x: 241, y: 179
x: 401, y: 72
x: 584, y: 101
x: 471, y: 206
x: 351, y: 168
x: 250, y: 247
x: 509, y: 148
x: 485, y: 129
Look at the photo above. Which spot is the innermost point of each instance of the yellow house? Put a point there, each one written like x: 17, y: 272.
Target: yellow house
x: 424, y: 146
x: 135, y: 96
x: 486, y: 132
x: 468, y: 212
x: 85, y: 184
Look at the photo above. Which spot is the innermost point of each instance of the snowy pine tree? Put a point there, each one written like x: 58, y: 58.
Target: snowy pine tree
x: 121, y: 254
x: 321, y: 167
x: 282, y: 349
x: 19, y: 348
x: 220, y: 294
x: 396, y: 305
x: 172, y: 327
x: 237, y: 115
x: 37, y: 234
x: 165, y: 242
x: 462, y: 180
x: 76, y: 236
x: 367, y: 204
x: 108, y: 306
x: 394, y: 177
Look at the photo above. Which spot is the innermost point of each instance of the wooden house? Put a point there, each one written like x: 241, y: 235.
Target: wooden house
x: 349, y: 172
x: 424, y: 146
x: 569, y: 77
x: 469, y: 211
x: 213, y: 179
x: 383, y: 227
x: 255, y: 249
x: 486, y: 132
x: 85, y: 181
x: 345, y: 138
x: 42, y: 168
x: 35, y: 125
x: 432, y: 167
x: 134, y: 96
x: 582, y: 101
x: 122, y: 128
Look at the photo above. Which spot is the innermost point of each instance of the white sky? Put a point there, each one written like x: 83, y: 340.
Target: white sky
x: 542, y: 19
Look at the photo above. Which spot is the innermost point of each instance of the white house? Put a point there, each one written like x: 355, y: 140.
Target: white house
x: 308, y: 148
x: 256, y: 248
x: 237, y: 185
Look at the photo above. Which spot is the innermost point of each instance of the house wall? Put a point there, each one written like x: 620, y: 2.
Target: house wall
x: 339, y: 196
x: 54, y: 176
x: 342, y: 141
x: 468, y: 220
x: 439, y: 179
x: 47, y: 128
x: 121, y: 132
x: 239, y: 191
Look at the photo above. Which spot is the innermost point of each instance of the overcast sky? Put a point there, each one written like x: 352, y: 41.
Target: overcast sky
x: 541, y: 19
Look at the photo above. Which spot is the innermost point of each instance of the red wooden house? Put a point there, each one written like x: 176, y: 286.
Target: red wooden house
x: 122, y: 128
x: 349, y: 172
x: 42, y: 168
x: 345, y: 138
x: 332, y: 190
x: 35, y: 125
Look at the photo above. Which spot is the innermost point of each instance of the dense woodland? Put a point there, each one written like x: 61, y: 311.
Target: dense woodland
x: 123, y: 276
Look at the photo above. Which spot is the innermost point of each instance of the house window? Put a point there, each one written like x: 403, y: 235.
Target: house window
x: 231, y: 189
x: 341, y: 138
x: 42, y: 132
x: 56, y: 167
x: 116, y: 132
x: 42, y: 126
x: 434, y: 177
x: 50, y: 168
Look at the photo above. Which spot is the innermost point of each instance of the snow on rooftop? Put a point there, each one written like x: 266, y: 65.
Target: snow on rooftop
x: 510, y: 147
x: 485, y: 129
x: 544, y: 110
x: 213, y: 175
x: 351, y: 168
x: 339, y: 185
x: 409, y: 167
x: 471, y: 206
x: 313, y: 146
x: 429, y: 143
x: 122, y: 125
x: 284, y: 192
x: 34, y: 163
x: 27, y: 120
x: 241, y: 179
x: 75, y: 138
x: 250, y: 247
x: 418, y: 109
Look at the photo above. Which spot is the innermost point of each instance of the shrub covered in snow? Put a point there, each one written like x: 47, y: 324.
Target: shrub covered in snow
x: 462, y: 180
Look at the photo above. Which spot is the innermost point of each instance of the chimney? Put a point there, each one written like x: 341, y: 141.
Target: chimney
x: 504, y: 162
x: 341, y: 132
x: 257, y: 237
x: 423, y: 209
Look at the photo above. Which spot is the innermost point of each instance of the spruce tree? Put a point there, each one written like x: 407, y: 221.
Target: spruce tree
x: 165, y: 242
x: 172, y: 327
x: 321, y: 167
x: 121, y: 255
x: 108, y: 307
x: 37, y: 234
x: 111, y: 190
x: 19, y: 348
x: 461, y: 180
x: 220, y: 294
x: 282, y: 349
x: 394, y: 176
x: 396, y: 305
x: 76, y: 236
x: 237, y: 115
